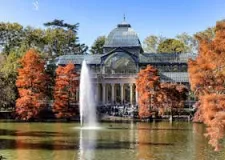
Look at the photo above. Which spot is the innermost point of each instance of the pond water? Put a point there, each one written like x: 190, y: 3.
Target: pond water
x: 126, y: 141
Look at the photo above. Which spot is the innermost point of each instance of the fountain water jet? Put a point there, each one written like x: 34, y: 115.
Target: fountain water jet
x: 87, y: 102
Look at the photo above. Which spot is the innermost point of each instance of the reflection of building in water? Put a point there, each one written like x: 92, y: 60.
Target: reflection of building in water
x: 115, y: 71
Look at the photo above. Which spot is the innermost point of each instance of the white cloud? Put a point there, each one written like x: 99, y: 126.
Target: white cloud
x: 36, y: 5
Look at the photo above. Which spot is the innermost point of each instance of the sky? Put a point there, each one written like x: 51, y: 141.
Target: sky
x: 98, y: 17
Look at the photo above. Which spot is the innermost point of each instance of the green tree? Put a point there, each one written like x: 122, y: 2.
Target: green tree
x: 10, y: 36
x: 8, y: 90
x: 171, y: 46
x: 7, y: 94
x: 60, y: 24
x: 97, y: 47
x: 8, y: 77
x: 34, y: 38
x: 207, y: 34
x: 152, y: 42
x: 191, y: 44
x: 63, y: 38
x: 58, y: 38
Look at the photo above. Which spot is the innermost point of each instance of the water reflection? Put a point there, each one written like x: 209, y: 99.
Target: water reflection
x: 87, y: 144
x: 144, y: 148
x: 134, y: 141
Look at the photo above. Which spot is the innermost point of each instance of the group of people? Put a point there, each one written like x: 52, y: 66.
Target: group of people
x: 124, y: 110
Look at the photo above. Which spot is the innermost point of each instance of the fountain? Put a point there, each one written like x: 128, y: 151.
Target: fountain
x: 88, y: 120
x: 87, y: 102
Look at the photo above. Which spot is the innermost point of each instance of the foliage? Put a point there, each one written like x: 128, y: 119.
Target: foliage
x: 32, y: 84
x: 171, y: 46
x: 60, y: 24
x: 58, y: 39
x: 7, y: 93
x: 152, y: 42
x: 65, y: 39
x: 208, y: 34
x: 147, y: 86
x: 191, y: 44
x: 207, y: 82
x: 174, y: 95
x: 11, y: 64
x: 64, y: 91
x: 97, y: 47
x: 10, y: 36
x: 183, y: 43
x: 156, y: 96
x: 8, y: 76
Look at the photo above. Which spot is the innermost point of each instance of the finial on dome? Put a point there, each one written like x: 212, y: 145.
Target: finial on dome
x: 124, y: 23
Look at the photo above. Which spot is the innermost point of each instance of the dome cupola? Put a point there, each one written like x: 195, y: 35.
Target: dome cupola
x: 122, y: 36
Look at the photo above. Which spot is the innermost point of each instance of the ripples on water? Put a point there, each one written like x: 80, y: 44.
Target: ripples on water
x: 127, y: 141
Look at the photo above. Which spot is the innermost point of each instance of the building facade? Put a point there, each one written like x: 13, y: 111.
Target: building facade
x: 115, y: 71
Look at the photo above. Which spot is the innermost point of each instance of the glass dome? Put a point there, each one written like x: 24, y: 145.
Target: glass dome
x: 120, y: 62
x: 122, y: 36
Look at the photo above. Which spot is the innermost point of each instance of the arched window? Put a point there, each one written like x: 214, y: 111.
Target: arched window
x: 120, y: 62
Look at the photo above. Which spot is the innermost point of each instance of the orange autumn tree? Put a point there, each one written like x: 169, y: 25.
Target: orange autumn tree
x: 174, y: 96
x: 147, y: 86
x: 64, y: 91
x: 207, y: 75
x: 31, y: 83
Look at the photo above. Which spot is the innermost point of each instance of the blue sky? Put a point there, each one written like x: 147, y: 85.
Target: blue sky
x: 99, y: 17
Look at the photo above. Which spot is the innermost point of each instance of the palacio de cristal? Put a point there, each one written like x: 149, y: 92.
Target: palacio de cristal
x: 115, y: 71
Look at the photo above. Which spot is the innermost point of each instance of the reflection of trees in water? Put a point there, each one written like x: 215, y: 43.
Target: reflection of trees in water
x: 163, y: 141
x: 198, y: 131
x: 31, y: 140
x: 144, y: 150
x: 153, y: 138
x: 202, y: 150
x: 19, y: 142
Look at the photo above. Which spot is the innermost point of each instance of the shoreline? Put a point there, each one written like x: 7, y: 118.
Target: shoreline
x: 103, y: 119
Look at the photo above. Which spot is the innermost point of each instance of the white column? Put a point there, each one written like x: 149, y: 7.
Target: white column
x: 131, y: 93
x: 122, y: 92
x: 136, y: 95
x: 103, y: 93
x: 113, y: 92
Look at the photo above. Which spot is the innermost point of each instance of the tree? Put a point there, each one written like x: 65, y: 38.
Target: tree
x: 171, y: 46
x: 9, y: 74
x: 147, y: 86
x: 64, y: 91
x: 10, y: 36
x: 58, y: 39
x: 60, y: 24
x: 174, y: 96
x: 152, y: 42
x: 97, y: 47
x: 207, y: 82
x: 70, y: 37
x: 191, y: 44
x: 31, y: 82
x: 7, y: 93
x: 34, y: 38
x: 208, y: 34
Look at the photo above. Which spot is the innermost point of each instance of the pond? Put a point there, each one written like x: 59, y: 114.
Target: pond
x: 127, y: 141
